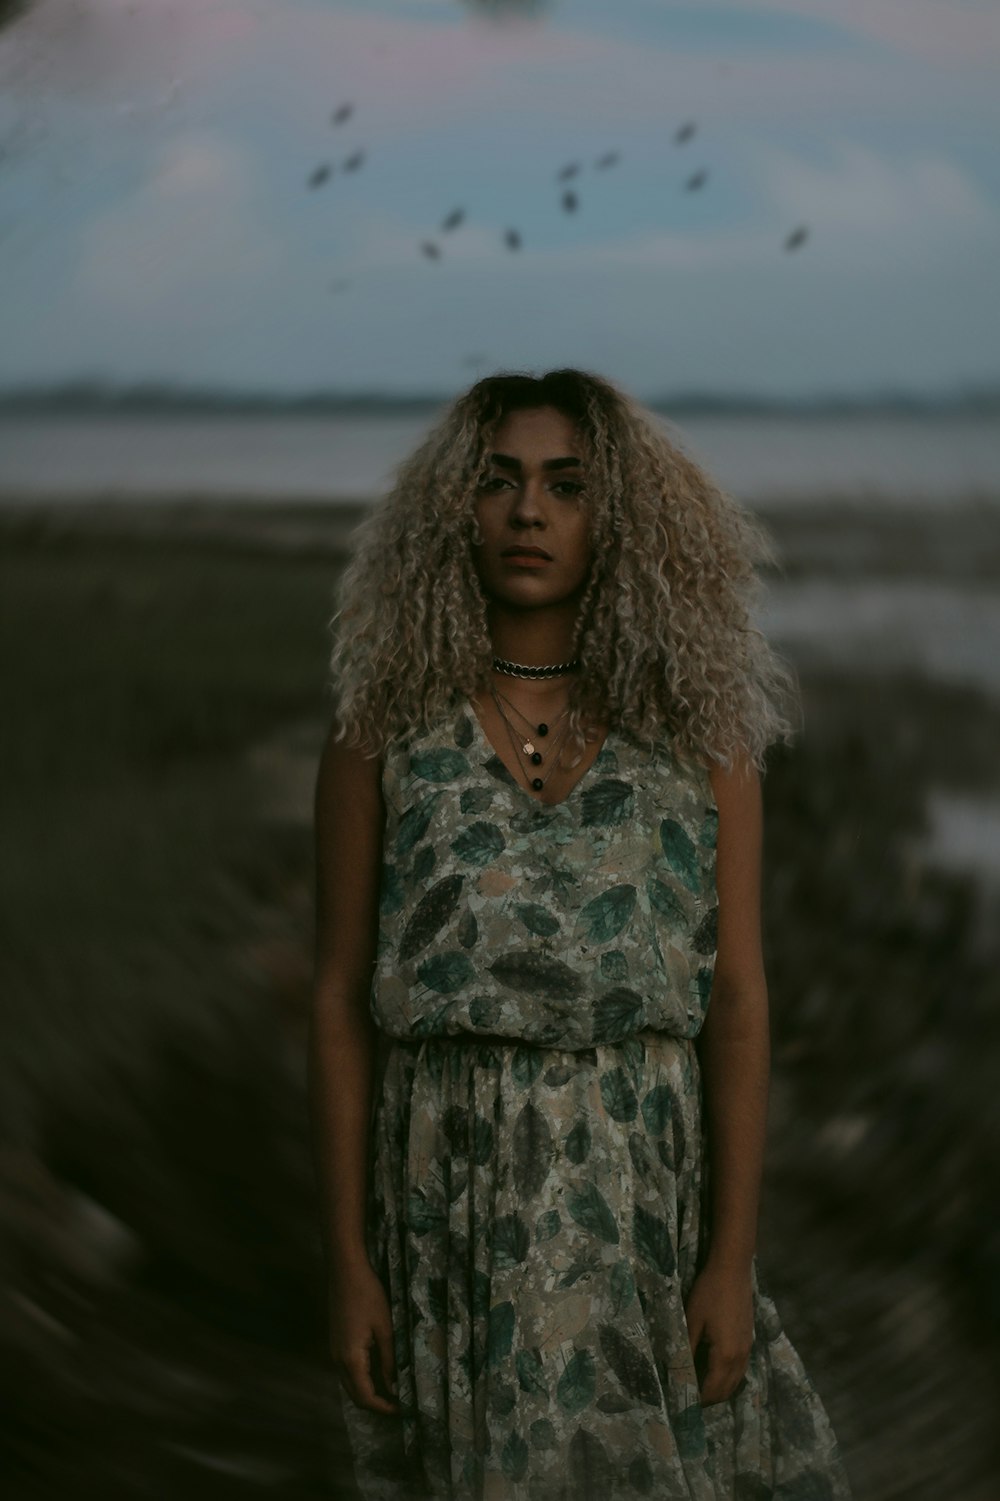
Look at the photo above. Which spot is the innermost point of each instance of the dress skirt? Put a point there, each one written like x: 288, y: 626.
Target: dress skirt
x: 537, y: 1217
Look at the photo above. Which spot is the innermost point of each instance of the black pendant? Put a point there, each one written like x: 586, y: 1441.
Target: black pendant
x: 536, y: 758
x: 537, y: 783
x: 543, y: 729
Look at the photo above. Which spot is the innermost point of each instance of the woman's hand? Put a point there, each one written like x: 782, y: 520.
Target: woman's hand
x: 360, y: 1322
x: 719, y: 1312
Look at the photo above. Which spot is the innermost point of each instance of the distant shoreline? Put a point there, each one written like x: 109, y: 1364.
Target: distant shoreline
x: 155, y: 399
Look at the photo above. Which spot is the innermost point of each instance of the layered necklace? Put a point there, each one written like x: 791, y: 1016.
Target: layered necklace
x: 525, y: 745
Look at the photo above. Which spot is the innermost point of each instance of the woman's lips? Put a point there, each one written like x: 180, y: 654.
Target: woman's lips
x: 526, y: 560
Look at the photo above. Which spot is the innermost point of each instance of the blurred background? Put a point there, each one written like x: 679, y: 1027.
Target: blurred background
x: 248, y: 251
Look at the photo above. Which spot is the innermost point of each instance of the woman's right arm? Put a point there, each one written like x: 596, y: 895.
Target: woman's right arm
x: 349, y: 823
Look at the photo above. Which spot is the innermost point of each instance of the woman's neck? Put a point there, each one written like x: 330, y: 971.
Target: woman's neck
x: 535, y: 638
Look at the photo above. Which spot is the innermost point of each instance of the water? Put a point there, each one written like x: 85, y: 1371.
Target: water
x: 964, y: 834
x: 945, y: 632
x: 909, y: 461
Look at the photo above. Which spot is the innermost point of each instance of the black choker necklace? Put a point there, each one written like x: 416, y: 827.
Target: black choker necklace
x: 519, y: 670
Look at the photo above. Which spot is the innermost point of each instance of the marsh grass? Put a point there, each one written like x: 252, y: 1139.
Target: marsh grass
x: 135, y: 678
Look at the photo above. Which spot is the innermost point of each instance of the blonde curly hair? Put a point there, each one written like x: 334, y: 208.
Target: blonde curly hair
x: 663, y: 632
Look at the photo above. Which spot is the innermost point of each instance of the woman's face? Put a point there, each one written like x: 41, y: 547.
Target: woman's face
x: 534, y: 496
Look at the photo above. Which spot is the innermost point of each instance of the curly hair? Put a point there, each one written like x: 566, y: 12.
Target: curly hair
x: 663, y: 631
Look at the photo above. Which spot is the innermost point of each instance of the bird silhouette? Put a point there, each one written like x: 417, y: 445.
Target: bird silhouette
x: 608, y: 160
x: 565, y: 173
x: 696, y: 181
x: 431, y: 250
x: 454, y: 219
x: 685, y: 133
x: 512, y: 239
x: 341, y: 113
x: 796, y: 238
x: 350, y: 163
x: 569, y: 201
x: 317, y: 178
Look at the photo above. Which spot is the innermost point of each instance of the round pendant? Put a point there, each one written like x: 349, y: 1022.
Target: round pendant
x: 537, y: 783
x: 536, y: 759
x: 529, y: 749
x: 543, y: 729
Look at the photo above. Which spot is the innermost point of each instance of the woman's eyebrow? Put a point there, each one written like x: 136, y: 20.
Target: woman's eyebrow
x: 507, y: 461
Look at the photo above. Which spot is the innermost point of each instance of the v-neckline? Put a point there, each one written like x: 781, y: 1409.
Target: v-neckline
x: 494, y: 754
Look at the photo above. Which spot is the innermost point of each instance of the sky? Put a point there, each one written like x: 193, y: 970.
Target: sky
x: 157, y: 223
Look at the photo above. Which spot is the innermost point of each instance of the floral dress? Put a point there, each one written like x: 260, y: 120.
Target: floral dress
x: 538, y: 1179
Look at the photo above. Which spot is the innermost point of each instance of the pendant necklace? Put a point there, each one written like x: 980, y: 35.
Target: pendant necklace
x: 541, y: 729
x: 527, y: 746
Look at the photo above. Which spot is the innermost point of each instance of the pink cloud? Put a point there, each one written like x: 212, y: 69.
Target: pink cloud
x: 943, y: 31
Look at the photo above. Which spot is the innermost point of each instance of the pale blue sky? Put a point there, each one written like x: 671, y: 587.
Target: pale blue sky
x: 155, y: 220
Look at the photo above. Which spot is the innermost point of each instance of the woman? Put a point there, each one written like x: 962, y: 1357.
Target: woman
x: 540, y: 1052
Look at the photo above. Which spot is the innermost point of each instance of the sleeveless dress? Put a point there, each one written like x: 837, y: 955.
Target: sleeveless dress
x: 538, y: 1183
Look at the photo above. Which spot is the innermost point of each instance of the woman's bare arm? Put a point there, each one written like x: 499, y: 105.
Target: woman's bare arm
x: 734, y: 1051
x: 734, y: 1042
x: 349, y: 820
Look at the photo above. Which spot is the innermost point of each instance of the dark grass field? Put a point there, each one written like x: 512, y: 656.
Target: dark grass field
x: 162, y: 1321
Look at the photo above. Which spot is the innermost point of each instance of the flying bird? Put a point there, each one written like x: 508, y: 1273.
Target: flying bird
x: 796, y: 238
x: 351, y: 162
x: 512, y: 239
x: 565, y: 173
x: 317, y: 178
x: 608, y: 160
x: 696, y: 181
x: 454, y: 219
x: 341, y: 113
x: 569, y: 201
x: 431, y: 250
x: 685, y: 133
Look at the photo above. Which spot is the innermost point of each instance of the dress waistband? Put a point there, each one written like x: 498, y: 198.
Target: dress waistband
x: 502, y: 1040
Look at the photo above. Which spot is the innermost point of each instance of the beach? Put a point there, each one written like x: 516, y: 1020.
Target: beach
x: 165, y: 673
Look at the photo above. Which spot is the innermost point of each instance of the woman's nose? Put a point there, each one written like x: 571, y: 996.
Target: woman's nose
x: 528, y: 498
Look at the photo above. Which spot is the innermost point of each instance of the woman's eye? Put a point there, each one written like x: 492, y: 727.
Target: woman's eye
x: 498, y: 479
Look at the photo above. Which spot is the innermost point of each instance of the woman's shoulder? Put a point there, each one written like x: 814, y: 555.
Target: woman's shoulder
x: 664, y: 757
x: 437, y: 724
x: 405, y: 748
x: 349, y: 791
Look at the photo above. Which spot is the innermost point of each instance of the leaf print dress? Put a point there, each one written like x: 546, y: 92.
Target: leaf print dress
x: 538, y: 1182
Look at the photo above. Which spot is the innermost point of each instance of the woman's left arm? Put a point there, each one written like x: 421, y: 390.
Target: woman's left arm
x: 734, y: 1052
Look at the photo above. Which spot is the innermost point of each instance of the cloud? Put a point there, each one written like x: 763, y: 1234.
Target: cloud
x: 411, y: 70
x: 943, y: 31
x: 188, y: 235
x: 863, y: 210
x: 863, y: 204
